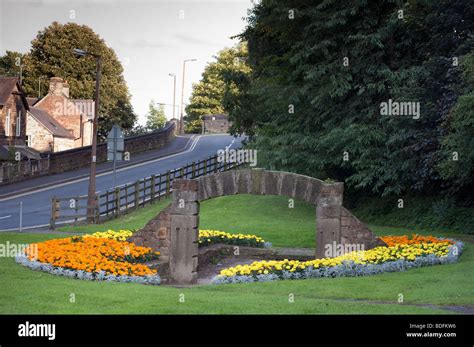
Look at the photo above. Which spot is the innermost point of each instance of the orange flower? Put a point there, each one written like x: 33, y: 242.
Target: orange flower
x: 415, y: 239
x: 92, y: 255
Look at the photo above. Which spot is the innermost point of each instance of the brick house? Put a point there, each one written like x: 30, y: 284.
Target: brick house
x: 13, y: 111
x: 215, y: 124
x: 56, y: 122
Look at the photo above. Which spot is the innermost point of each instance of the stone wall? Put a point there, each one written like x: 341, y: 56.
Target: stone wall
x: 354, y: 232
x: 81, y: 157
x: 217, y: 126
x: 156, y: 234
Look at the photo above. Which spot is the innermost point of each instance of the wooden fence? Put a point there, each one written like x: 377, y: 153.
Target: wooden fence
x: 122, y: 199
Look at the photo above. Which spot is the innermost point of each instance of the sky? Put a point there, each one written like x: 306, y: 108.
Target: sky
x: 150, y: 37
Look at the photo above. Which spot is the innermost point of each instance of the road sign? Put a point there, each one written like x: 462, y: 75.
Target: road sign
x: 115, y: 144
x: 115, y: 147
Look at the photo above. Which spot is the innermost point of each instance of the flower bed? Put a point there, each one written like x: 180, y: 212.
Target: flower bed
x: 92, y: 258
x: 206, y: 237
x: 210, y: 237
x: 401, y: 253
x: 121, y: 235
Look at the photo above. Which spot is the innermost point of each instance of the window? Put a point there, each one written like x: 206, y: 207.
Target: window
x: 7, y: 123
x: 29, y: 142
x: 18, y: 124
x: 213, y: 118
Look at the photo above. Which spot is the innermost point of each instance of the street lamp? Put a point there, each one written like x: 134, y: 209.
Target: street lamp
x: 39, y: 85
x: 174, y: 92
x: 181, y: 124
x: 91, y: 202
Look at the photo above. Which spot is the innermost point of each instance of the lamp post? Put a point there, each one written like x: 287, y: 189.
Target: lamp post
x: 39, y: 85
x: 174, y: 92
x: 91, y: 202
x: 181, y: 123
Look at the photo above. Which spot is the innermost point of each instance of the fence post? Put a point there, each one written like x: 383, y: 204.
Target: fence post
x: 54, y: 211
x: 159, y: 186
x: 193, y: 175
x: 181, y: 173
x: 137, y: 194
x: 117, y: 201
x: 76, y: 210
x: 168, y: 183
x: 216, y: 164
x: 97, y: 209
x: 205, y: 168
x: 152, y: 191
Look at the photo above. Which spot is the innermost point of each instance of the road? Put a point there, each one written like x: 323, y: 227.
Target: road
x: 36, y: 201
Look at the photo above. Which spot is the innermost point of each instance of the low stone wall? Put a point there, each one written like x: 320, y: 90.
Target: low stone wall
x: 354, y: 232
x: 81, y: 157
x: 156, y: 234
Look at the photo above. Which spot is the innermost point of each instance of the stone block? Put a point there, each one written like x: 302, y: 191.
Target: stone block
x: 328, y: 232
x: 243, y: 179
x: 301, y: 187
x: 185, y: 202
x: 184, y: 184
x: 270, y: 179
x: 229, y: 182
x: 257, y: 181
x: 328, y: 211
x: 183, y: 250
x: 288, y: 183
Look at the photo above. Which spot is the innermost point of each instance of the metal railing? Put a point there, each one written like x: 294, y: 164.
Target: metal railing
x: 122, y: 199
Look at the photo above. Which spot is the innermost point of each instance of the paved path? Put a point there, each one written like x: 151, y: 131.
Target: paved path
x: 39, y: 192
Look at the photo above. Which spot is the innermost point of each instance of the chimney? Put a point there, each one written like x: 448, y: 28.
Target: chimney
x: 57, y: 86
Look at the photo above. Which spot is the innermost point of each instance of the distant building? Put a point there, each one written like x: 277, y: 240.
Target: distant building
x: 215, y: 124
x: 56, y: 122
x: 13, y: 110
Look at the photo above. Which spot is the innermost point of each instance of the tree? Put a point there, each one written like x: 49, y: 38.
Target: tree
x: 458, y: 157
x: 207, y: 96
x: 322, y: 69
x: 52, y: 55
x: 156, y: 117
x: 10, y: 64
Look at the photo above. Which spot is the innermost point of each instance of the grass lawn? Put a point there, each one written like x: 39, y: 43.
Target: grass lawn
x: 425, y: 290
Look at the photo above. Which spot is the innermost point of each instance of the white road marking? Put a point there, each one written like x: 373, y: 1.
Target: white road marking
x: 5, y: 217
x: 192, y: 147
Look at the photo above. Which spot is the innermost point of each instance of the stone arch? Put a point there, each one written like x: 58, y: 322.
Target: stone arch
x: 174, y: 231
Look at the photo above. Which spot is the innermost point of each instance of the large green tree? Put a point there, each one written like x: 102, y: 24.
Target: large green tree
x: 321, y: 71
x: 52, y: 55
x: 208, y: 93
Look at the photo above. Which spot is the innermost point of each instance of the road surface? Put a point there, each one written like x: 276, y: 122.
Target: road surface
x: 36, y: 200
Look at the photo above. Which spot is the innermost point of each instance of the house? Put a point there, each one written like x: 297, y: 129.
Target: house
x: 215, y: 123
x: 56, y: 122
x: 13, y: 109
x: 13, y: 114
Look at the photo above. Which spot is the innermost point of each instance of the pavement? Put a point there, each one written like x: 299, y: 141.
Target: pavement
x: 35, y: 195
